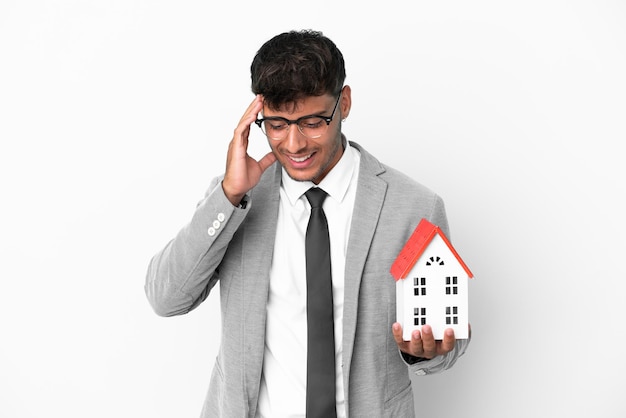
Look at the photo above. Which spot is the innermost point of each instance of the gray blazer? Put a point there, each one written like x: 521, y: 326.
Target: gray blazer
x: 234, y: 246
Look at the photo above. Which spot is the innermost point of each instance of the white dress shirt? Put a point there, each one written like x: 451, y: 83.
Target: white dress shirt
x: 283, y: 383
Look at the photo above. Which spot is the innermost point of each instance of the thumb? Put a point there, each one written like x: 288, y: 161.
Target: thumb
x: 266, y: 161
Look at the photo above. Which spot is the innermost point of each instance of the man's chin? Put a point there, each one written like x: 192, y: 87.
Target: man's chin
x: 296, y: 176
x: 311, y: 173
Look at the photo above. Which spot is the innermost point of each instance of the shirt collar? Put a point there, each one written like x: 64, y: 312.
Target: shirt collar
x: 335, y: 183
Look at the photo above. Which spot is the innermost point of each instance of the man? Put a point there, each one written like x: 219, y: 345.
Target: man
x: 250, y: 234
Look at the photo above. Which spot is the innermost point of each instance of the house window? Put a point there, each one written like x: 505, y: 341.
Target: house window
x: 434, y: 260
x: 419, y: 284
x: 452, y: 315
x: 452, y: 287
x: 419, y: 315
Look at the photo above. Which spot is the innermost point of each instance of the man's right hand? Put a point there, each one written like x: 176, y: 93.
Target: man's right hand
x: 242, y: 171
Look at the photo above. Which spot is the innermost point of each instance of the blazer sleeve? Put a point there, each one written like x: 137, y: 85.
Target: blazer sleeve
x: 182, y: 274
x: 422, y: 367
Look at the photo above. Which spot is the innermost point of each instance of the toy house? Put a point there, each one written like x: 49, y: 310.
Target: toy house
x: 431, y: 284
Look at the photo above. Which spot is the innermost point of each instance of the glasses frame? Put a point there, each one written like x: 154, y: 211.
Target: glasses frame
x: 327, y: 119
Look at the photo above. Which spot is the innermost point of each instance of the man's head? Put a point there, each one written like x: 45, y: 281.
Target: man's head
x: 295, y: 65
x: 300, y: 76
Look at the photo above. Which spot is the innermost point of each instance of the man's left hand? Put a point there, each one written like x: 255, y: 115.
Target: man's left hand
x: 423, y: 344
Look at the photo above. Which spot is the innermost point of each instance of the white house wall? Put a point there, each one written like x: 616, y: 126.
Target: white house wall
x: 435, y: 301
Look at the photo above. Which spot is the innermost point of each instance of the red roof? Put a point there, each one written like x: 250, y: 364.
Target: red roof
x: 415, y: 246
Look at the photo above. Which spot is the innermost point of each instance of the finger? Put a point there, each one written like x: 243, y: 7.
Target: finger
x: 243, y: 128
x: 252, y: 111
x: 267, y: 161
x: 416, y: 345
x: 449, y: 341
x: 396, y: 330
x: 404, y: 346
x: 428, y: 342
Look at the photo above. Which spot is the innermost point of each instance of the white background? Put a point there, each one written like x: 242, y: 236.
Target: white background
x: 115, y: 114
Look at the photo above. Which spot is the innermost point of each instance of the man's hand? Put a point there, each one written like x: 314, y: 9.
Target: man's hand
x: 242, y: 171
x: 423, y: 344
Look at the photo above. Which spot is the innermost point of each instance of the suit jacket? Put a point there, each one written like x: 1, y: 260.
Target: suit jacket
x: 233, y: 246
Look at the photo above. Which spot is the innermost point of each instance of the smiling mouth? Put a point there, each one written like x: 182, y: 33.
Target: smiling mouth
x: 300, y: 159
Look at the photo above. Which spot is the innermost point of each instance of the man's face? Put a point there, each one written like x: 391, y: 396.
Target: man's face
x: 306, y: 158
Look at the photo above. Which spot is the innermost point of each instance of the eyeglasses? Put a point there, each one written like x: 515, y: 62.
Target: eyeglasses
x: 311, y: 126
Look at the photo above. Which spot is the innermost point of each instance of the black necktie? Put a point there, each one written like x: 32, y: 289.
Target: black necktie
x: 320, y: 382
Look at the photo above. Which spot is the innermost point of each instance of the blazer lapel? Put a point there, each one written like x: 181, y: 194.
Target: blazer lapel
x: 370, y: 196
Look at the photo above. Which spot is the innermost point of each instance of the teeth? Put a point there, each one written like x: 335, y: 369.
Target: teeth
x: 299, y: 160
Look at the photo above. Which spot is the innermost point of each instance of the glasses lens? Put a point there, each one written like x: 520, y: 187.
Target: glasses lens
x: 275, y: 128
x: 313, y: 127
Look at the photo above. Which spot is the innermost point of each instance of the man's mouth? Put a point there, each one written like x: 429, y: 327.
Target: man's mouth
x: 300, y: 159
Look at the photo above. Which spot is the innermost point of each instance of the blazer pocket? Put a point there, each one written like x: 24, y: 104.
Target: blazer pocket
x: 401, y: 404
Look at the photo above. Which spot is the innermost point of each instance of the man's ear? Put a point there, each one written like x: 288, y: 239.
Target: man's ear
x: 346, y: 101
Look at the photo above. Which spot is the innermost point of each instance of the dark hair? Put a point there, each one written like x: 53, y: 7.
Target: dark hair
x: 295, y: 65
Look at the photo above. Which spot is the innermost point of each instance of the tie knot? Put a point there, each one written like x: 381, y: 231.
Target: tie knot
x: 316, y: 196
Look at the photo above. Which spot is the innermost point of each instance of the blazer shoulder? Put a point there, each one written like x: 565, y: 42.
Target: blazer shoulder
x: 404, y: 196
x: 395, y: 179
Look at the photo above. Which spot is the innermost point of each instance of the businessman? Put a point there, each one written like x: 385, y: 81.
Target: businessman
x: 301, y: 242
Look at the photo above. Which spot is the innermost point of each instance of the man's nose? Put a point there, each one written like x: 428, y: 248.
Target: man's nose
x: 295, y: 140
